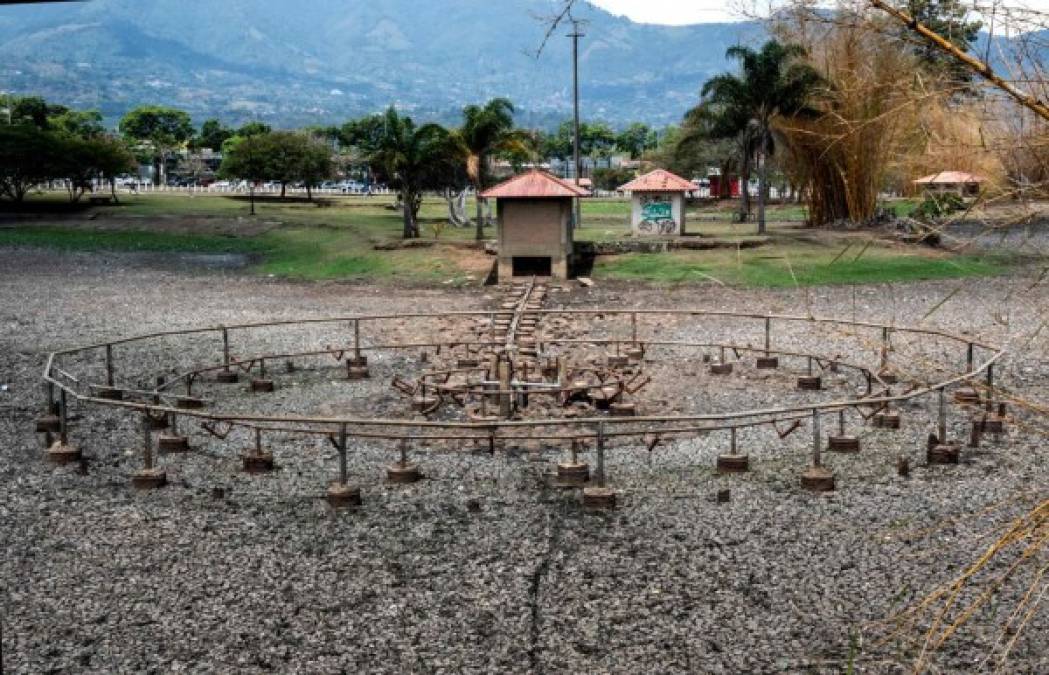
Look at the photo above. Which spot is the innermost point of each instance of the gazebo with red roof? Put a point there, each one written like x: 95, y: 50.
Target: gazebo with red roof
x: 962, y: 183
x: 534, y: 211
x: 658, y: 199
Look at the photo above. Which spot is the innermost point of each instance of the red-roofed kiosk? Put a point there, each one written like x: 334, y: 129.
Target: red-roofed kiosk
x: 658, y: 199
x: 534, y: 212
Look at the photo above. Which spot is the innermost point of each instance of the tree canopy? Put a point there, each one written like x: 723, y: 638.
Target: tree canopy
x: 413, y: 159
x: 162, y: 128
x: 46, y: 142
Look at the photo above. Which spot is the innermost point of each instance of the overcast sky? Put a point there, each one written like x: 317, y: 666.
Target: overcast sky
x: 676, y: 12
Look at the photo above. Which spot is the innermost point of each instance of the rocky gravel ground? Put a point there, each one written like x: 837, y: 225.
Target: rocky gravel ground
x: 484, y: 566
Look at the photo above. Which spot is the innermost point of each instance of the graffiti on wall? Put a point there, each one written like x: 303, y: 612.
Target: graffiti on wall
x: 657, y: 215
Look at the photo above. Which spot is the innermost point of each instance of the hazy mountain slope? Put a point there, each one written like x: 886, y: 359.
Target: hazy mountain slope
x: 324, y: 60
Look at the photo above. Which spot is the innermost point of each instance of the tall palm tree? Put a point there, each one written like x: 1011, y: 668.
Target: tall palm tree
x: 773, y: 83
x: 487, y: 130
x: 413, y: 159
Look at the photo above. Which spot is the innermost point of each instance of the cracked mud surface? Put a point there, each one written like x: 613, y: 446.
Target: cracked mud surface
x: 482, y: 567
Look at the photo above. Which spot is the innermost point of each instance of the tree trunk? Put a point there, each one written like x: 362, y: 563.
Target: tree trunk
x: 409, y: 216
x: 309, y: 192
x: 725, y: 181
x: 251, y: 196
x: 283, y: 188
x: 479, y: 236
x: 456, y: 208
x: 113, y: 190
x: 763, y: 184
x: 744, y: 193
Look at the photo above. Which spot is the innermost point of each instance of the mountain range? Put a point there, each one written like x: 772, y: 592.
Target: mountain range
x: 323, y: 61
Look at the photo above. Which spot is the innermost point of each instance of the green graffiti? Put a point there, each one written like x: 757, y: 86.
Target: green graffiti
x: 654, y: 211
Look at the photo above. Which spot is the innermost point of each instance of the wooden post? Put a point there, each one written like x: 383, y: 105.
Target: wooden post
x: 342, y: 454
x: 63, y: 419
x: 225, y: 350
x: 990, y: 388
x: 942, y: 426
x: 884, y: 347
x: 600, y: 454
x: 147, y: 442
x: 816, y: 437
x: 109, y: 365
x: 357, y: 340
x: 505, y: 401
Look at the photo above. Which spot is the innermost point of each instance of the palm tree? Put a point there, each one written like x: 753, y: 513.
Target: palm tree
x: 413, y: 159
x: 773, y: 84
x: 486, y: 130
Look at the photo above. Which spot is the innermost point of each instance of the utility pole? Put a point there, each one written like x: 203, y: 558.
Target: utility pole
x: 575, y: 35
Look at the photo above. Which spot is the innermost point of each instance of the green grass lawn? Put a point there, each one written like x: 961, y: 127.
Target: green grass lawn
x: 769, y: 268
x: 336, y: 238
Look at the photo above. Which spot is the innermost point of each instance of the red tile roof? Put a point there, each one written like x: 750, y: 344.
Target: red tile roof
x: 950, y: 178
x: 659, y: 180
x: 534, y: 184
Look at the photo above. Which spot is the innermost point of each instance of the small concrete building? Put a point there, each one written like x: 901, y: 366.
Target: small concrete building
x: 658, y: 200
x: 534, y: 211
x: 961, y: 183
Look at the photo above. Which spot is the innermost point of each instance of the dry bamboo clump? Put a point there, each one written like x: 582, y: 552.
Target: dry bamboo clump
x: 866, y: 116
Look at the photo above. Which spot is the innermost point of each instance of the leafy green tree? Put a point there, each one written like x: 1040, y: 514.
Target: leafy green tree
x: 82, y: 160
x: 413, y: 159
x: 636, y: 139
x: 611, y: 179
x: 486, y: 130
x: 80, y: 123
x: 557, y: 145
x: 163, y: 129
x: 294, y: 156
x: 284, y: 153
x: 33, y: 110
x: 948, y: 18
x: 213, y: 133
x: 27, y: 157
x: 316, y: 164
x: 110, y: 158
x: 46, y: 142
x: 596, y: 139
x: 365, y: 133
x: 253, y: 129
x: 246, y: 158
x: 773, y: 83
